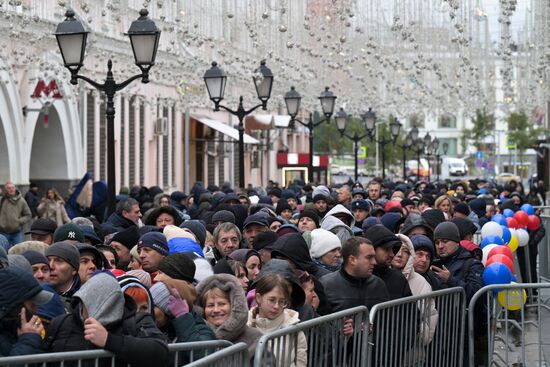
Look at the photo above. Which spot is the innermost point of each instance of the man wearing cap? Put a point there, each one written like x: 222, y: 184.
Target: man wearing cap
x: 358, y: 193
x: 42, y: 230
x: 386, y: 244
x: 123, y: 242
x: 360, y: 210
x: 14, y: 214
x: 263, y: 243
x: 152, y: 248
x: 21, y: 327
x: 416, y: 225
x: 40, y: 265
x: 456, y: 266
x: 90, y: 261
x: 308, y: 221
x: 70, y: 233
x: 227, y: 238
x: 424, y: 253
x: 320, y: 202
x: 222, y: 216
x: 254, y: 224
x: 64, y: 260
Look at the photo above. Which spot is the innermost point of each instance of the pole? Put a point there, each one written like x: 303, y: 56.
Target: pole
x: 187, y: 164
x: 111, y: 174
x: 429, y: 178
x: 241, y: 144
x: 404, y: 163
x: 383, y: 143
x: 418, y: 165
x: 310, y: 163
x: 356, y: 141
x: 437, y: 158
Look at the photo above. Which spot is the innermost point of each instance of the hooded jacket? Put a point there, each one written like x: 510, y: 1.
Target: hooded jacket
x: 133, y: 337
x: 14, y: 213
x: 17, y: 286
x: 235, y: 328
x: 336, y: 226
x: 416, y: 220
x: 455, y: 263
x: 420, y: 286
x: 285, y: 351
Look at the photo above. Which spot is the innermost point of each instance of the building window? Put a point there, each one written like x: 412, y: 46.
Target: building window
x: 416, y: 119
x: 447, y: 121
x: 451, y: 144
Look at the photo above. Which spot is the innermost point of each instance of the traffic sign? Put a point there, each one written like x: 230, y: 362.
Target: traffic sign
x: 362, y: 152
x: 510, y: 143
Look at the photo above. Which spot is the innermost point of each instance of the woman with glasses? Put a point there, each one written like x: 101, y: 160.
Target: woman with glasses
x: 272, y: 313
x: 222, y: 300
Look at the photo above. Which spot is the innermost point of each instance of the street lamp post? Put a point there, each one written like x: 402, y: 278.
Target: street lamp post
x: 438, y: 156
x: 419, y: 148
x: 215, y: 80
x: 71, y: 39
x: 292, y: 101
x: 406, y: 145
x: 428, y: 150
x: 342, y: 119
x: 395, y: 126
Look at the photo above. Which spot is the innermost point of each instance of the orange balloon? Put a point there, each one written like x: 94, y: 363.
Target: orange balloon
x: 503, y: 259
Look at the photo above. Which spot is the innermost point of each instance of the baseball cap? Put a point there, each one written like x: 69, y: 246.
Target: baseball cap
x: 43, y: 226
x: 69, y: 232
x: 258, y: 218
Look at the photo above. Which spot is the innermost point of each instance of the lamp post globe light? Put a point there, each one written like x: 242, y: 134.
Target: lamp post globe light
x: 342, y: 119
x: 144, y: 37
x: 215, y: 81
x: 395, y: 127
x: 292, y: 102
x: 428, y: 151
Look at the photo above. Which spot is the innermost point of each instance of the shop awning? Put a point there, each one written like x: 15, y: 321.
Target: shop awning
x: 224, y: 128
x: 265, y: 122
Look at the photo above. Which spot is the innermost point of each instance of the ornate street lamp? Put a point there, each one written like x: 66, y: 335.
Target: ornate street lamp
x: 395, y: 127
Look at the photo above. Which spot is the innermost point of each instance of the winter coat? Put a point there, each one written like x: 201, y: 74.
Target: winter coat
x: 455, y: 263
x: 17, y: 286
x: 32, y: 201
x: 235, y: 328
x: 344, y: 291
x: 14, y: 213
x: 116, y: 223
x: 54, y: 210
x: 288, y: 349
x: 336, y: 226
x: 419, y: 286
x: 133, y: 337
x: 397, y: 284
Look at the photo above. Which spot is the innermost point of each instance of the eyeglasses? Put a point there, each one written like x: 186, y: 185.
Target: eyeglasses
x: 273, y: 302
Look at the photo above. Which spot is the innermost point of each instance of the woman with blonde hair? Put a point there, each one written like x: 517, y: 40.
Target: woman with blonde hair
x: 444, y: 204
x: 52, y: 206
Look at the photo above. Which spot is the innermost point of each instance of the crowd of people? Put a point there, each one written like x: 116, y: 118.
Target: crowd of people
x: 233, y: 265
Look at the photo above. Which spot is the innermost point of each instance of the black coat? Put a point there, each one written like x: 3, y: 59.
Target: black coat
x: 116, y: 223
x: 134, y: 340
x: 397, y: 284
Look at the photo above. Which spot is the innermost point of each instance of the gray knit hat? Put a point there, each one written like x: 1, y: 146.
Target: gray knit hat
x: 161, y: 296
x: 224, y: 216
x: 65, y: 251
x: 447, y: 231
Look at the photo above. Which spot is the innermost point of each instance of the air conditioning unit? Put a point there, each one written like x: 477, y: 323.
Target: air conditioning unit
x: 161, y: 126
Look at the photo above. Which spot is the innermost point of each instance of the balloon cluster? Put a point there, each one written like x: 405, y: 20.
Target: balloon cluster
x: 501, y: 237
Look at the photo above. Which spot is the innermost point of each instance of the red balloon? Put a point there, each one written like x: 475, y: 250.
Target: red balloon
x: 503, y: 259
x: 512, y: 223
x: 522, y: 218
x: 534, y: 223
x: 501, y: 250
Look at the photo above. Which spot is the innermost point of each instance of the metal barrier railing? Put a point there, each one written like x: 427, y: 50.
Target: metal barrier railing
x: 233, y: 356
x: 419, y: 330
x: 510, y: 327
x: 326, y: 343
x: 103, y: 357
x: 544, y: 250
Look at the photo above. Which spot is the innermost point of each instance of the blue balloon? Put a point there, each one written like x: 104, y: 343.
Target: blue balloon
x: 500, y: 219
x: 508, y: 213
x: 514, y: 278
x: 528, y: 208
x: 506, y: 234
x: 491, y: 240
x: 497, y: 273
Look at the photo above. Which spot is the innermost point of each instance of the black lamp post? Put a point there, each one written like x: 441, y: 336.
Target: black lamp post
x: 342, y: 119
x: 438, y: 156
x: 419, y: 147
x: 215, y: 80
x: 395, y: 126
x: 144, y: 37
x: 428, y: 150
x: 406, y: 145
x: 292, y: 101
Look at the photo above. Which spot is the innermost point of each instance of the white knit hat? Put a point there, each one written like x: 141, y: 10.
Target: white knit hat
x: 323, y: 241
x: 171, y: 231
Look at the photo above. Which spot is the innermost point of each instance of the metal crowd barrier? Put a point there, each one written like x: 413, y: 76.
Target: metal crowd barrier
x: 326, y: 344
x: 512, y: 330
x: 233, y: 356
x: 102, y: 357
x: 544, y: 250
x: 426, y: 330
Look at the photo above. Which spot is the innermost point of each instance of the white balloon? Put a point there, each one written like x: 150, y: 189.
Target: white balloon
x: 522, y: 236
x: 486, y: 251
x: 491, y: 228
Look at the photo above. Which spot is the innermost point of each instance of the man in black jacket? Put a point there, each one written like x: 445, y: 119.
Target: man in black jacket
x: 354, y: 284
x: 384, y: 242
x: 105, y: 318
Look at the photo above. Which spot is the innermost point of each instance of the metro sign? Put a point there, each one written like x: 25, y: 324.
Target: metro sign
x: 46, y: 90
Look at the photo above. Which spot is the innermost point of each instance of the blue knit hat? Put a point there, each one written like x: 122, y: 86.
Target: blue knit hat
x: 154, y: 240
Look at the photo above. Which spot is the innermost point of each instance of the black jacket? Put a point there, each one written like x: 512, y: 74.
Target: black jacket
x: 32, y: 201
x: 344, y: 291
x: 397, y: 284
x: 116, y: 223
x: 472, y: 281
x: 134, y: 340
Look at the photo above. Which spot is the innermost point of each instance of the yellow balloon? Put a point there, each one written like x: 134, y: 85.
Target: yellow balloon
x: 513, y: 244
x: 512, y: 299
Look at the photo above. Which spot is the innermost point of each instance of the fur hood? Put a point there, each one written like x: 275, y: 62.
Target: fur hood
x: 408, y: 269
x: 235, y: 325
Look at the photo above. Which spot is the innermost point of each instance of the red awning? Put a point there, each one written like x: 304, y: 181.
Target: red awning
x: 301, y: 159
